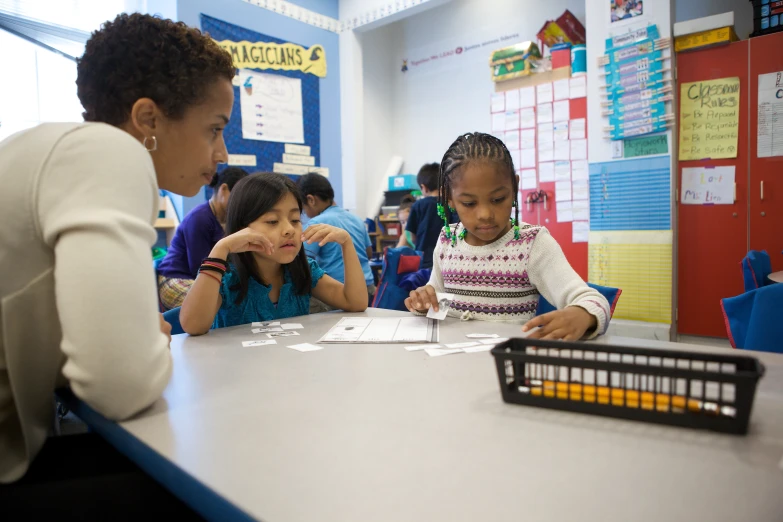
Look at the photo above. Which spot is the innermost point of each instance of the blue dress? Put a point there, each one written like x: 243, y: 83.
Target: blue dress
x: 257, y: 306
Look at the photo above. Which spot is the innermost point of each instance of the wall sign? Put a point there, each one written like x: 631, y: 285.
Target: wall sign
x: 279, y: 57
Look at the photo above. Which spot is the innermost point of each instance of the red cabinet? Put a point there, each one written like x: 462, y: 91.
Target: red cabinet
x: 712, y: 240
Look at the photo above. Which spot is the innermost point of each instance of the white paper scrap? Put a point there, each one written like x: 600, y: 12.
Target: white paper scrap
x: 306, y: 347
x: 263, y: 342
x: 437, y: 352
x: 482, y: 336
x: 444, y: 303
x: 266, y: 330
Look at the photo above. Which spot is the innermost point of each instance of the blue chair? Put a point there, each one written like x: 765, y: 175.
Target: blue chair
x: 398, y: 262
x: 756, y: 267
x: 611, y: 294
x: 172, y: 317
x: 753, y: 319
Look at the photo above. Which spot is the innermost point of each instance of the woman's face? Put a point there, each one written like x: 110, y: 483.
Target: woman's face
x: 189, y: 149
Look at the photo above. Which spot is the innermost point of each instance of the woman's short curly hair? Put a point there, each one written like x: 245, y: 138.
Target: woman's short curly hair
x: 142, y: 56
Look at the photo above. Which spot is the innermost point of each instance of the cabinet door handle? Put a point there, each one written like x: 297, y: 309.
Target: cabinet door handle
x: 762, y: 190
x: 735, y: 193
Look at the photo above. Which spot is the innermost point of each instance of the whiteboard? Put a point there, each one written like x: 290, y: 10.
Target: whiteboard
x: 271, y: 107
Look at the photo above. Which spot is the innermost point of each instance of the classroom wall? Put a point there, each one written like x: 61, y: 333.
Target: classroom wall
x: 266, y: 22
x: 417, y: 114
x: 743, y: 12
x: 329, y: 8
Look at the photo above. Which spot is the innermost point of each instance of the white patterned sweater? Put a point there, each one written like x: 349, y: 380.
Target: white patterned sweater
x: 502, y: 281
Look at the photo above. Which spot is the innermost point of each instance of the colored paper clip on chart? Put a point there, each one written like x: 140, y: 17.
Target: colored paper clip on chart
x: 636, y: 50
x: 538, y: 196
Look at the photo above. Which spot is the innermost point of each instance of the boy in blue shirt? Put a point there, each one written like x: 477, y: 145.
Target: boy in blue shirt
x: 424, y: 224
x: 319, y: 206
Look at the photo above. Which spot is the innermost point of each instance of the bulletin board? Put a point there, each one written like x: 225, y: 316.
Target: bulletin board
x: 267, y: 153
x: 544, y: 126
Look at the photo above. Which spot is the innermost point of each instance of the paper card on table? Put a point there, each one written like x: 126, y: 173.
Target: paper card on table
x: 306, y: 347
x: 546, y: 127
x: 561, y: 110
x: 482, y: 336
x: 565, y: 212
x: 437, y: 352
x: 544, y: 93
x: 544, y: 111
x: 527, y: 97
x: 527, y: 139
x: 561, y: 131
x: 707, y: 186
x: 264, y: 324
x: 562, y: 191
x: 462, y: 345
x: 528, y: 160
x: 444, y: 303
x: 287, y: 333
x: 498, y: 103
x: 578, y: 87
x: 512, y: 100
x: 580, y: 232
x: 267, y: 330
x: 263, y: 342
x: 479, y: 348
x: 581, y: 210
x: 580, y: 190
x: 546, y: 172
x: 292, y: 326
x: 562, y: 171
x: 511, y: 140
x: 499, y: 122
x: 512, y: 120
x: 562, y: 89
x: 418, y: 347
x: 562, y: 150
x: 529, y: 179
x: 578, y: 149
x: 578, y: 129
x: 495, y: 341
x: 580, y: 170
x: 527, y: 118
x: 516, y: 158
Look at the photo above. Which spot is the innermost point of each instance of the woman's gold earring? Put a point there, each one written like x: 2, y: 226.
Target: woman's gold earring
x: 154, y: 146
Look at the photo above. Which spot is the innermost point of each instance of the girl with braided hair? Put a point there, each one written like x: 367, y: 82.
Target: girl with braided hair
x: 495, y: 266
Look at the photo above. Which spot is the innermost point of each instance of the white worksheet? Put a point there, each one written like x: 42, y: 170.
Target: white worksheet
x: 382, y: 330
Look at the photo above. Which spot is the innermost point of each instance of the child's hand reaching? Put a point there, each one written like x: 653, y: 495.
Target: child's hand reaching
x: 569, y: 324
x: 323, y: 234
x: 422, y: 299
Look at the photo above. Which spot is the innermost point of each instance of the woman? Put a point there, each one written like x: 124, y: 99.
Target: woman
x: 77, y: 298
x: 195, y: 237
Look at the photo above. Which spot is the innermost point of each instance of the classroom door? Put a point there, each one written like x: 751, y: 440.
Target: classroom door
x: 712, y: 240
x: 766, y: 174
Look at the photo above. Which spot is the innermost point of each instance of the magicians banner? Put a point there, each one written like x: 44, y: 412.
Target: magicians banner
x: 286, y: 57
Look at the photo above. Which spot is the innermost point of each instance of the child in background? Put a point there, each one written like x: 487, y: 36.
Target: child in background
x: 403, y: 214
x: 318, y: 203
x: 495, y: 267
x: 270, y: 276
x: 424, y: 224
x: 195, y: 237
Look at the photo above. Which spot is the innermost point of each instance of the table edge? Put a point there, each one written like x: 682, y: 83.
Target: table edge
x: 194, y: 493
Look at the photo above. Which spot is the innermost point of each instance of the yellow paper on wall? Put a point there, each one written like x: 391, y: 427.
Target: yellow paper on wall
x: 709, y: 119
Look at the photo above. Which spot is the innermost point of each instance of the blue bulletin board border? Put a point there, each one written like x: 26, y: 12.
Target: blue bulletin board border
x: 267, y: 153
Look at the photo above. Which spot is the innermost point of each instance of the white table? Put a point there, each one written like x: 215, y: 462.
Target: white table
x: 376, y: 433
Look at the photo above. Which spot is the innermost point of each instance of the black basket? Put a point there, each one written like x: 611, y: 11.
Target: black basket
x: 695, y: 390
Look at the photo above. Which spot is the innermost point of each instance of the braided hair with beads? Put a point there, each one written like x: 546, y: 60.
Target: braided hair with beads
x: 466, y: 148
